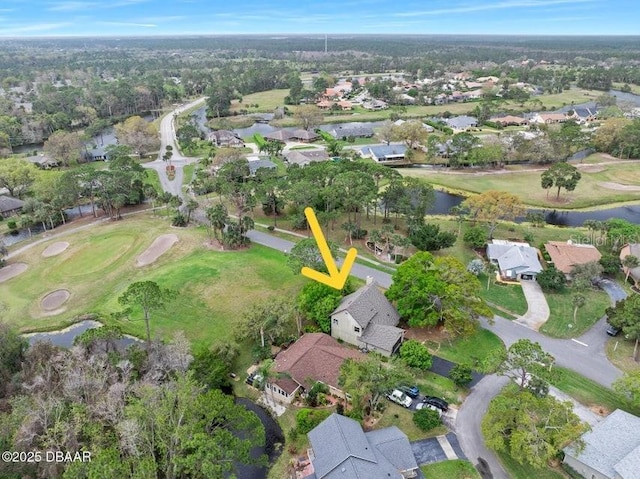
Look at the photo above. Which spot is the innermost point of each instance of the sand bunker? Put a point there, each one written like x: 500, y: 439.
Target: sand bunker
x: 54, y: 299
x: 11, y: 271
x: 159, y: 246
x: 55, y: 249
x: 591, y: 168
x: 618, y: 186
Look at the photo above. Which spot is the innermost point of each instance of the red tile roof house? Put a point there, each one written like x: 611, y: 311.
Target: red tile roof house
x: 565, y: 256
x: 312, y: 358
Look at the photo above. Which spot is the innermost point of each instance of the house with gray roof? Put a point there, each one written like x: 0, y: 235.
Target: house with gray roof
x: 386, y: 154
x: 515, y: 261
x: 10, y: 206
x: 611, y: 449
x: 256, y: 164
x: 368, y: 320
x: 345, y: 132
x: 341, y: 449
x: 225, y: 139
x: 44, y: 162
x: 304, y: 157
x: 462, y: 122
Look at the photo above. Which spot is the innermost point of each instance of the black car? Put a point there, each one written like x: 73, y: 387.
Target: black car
x: 411, y: 391
x: 437, y: 402
x: 612, y: 330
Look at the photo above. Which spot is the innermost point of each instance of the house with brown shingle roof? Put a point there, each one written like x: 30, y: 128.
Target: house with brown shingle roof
x: 509, y: 120
x: 567, y: 255
x: 315, y: 357
x: 368, y: 320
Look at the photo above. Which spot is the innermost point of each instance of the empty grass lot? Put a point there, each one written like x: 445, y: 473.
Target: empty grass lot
x: 595, y: 187
x: 215, y: 287
x: 507, y: 296
x: 457, y: 469
x: 560, y: 323
x: 473, y: 350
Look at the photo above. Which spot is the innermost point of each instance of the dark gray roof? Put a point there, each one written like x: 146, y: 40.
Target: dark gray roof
x: 385, y: 151
x: 461, y: 122
x: 381, y: 336
x: 355, y: 131
x: 257, y: 164
x: 343, y: 451
x: 279, y: 135
x: 514, y: 256
x: 394, y: 445
x: 367, y: 305
x: 9, y: 203
x: 304, y: 157
x: 612, y: 447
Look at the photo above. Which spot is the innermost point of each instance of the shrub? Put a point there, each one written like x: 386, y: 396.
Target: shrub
x: 551, y: 279
x: 475, y: 266
x: 461, y: 375
x: 415, y: 354
x: 271, y: 227
x: 359, y: 233
x: 307, y: 419
x: 312, y: 396
x: 476, y: 237
x: 179, y: 220
x: 12, y: 225
x: 426, y: 419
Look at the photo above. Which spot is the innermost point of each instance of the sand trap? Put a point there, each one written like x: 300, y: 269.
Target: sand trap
x: 54, y: 299
x: 159, y: 246
x: 591, y: 168
x: 11, y: 271
x: 55, y: 249
x: 618, y: 186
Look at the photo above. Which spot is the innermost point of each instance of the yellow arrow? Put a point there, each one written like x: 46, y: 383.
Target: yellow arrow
x: 335, y: 278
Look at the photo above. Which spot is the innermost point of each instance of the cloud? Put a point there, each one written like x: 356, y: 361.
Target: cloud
x: 129, y: 24
x: 71, y: 6
x: 503, y: 5
x: 37, y: 27
x: 164, y: 19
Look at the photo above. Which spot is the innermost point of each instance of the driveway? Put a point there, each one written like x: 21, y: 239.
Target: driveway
x: 437, y: 449
x: 537, y: 308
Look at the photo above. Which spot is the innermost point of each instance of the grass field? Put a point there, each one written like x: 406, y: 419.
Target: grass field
x: 214, y: 287
x: 507, y: 296
x: 457, y: 469
x: 591, y: 190
x: 620, y: 353
x: 153, y: 179
x: 560, y: 323
x: 473, y: 350
x: 395, y: 415
x: 267, y: 101
x: 520, y: 471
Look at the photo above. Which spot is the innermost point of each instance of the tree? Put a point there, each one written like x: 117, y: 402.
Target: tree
x: 218, y: 217
x: 476, y: 237
x: 308, y: 117
x: 137, y: 133
x: 12, y: 354
x: 551, y: 279
x: 577, y: 301
x: 525, y: 360
x: 317, y: 301
x: 412, y: 133
x: 610, y: 263
x: 426, y: 419
x: 190, y: 206
x: 461, y: 375
x: 585, y: 275
x: 17, y: 176
x: 432, y: 291
x: 493, y: 206
x: 306, y: 253
x: 415, y: 355
x: 629, y: 262
x: 561, y: 175
x: 531, y: 429
x: 629, y: 385
x: 626, y: 316
x: 367, y: 381
x: 428, y: 237
x: 274, y: 319
x: 387, y: 132
x: 149, y: 297
x: 64, y: 147
x: 476, y: 267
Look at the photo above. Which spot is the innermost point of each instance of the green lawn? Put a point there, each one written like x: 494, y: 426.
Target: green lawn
x: 457, y: 469
x: 267, y: 101
x: 597, y: 186
x: 507, y: 296
x: 589, y: 392
x: 188, y: 173
x: 520, y: 471
x: 620, y: 353
x: 560, y: 323
x: 153, y: 179
x: 473, y: 350
x: 395, y: 415
x: 215, y: 287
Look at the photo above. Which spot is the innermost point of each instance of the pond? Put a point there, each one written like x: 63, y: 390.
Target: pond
x: 64, y: 338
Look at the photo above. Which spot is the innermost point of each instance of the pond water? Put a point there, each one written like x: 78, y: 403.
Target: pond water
x: 624, y: 97
x: 64, y: 337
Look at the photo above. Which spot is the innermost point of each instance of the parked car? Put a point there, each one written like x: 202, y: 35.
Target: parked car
x: 437, y: 402
x: 255, y: 380
x: 612, y: 330
x: 411, y: 391
x: 424, y: 405
x: 400, y: 398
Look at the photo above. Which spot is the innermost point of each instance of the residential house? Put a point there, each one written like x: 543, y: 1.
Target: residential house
x: 225, y: 139
x: 340, y: 449
x: 345, y: 105
x: 368, y: 320
x: 549, y: 118
x: 472, y: 95
x: 374, y: 105
x: 510, y: 120
x: 279, y: 135
x: 304, y: 136
x: 255, y: 163
x: 43, y: 161
x: 10, y: 206
x: 325, y: 104
x: 315, y: 357
x: 632, y: 249
x: 95, y: 154
x: 461, y: 123
x: 584, y: 115
x: 515, y: 261
x: 611, y: 449
x: 388, y: 154
x: 565, y: 256
x: 344, y: 132
x: 304, y: 157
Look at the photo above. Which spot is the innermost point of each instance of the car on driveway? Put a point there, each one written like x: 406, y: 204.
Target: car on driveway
x: 437, y: 402
x: 411, y: 391
x: 400, y: 398
x: 612, y: 330
x: 424, y: 405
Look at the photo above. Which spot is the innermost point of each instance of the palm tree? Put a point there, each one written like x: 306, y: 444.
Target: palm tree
x: 629, y: 262
x: 592, y: 226
x: 191, y: 205
x: 578, y: 301
x: 490, y: 269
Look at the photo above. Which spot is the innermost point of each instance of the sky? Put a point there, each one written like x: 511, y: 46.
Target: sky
x: 43, y: 18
